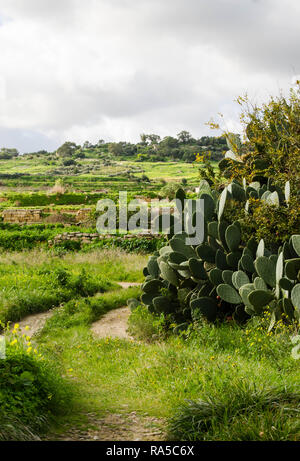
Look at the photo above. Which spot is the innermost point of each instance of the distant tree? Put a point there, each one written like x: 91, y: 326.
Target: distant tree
x: 79, y: 154
x: 144, y: 138
x: 169, y: 142
x: 153, y: 138
x: 189, y: 153
x: 7, y: 153
x: 100, y: 142
x: 67, y: 149
x: 87, y: 145
x: 115, y: 148
x: 184, y: 137
x: 129, y: 149
x: 39, y: 152
x: 204, y: 140
x: 68, y: 162
x: 176, y: 154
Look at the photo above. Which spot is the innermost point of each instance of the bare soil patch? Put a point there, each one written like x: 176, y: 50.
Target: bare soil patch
x: 128, y: 284
x: 113, y: 324
x: 34, y: 322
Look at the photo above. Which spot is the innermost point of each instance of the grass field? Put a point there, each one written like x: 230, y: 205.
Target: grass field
x: 155, y: 378
x: 93, y: 175
x: 249, y: 376
x: 36, y: 281
x: 118, y: 376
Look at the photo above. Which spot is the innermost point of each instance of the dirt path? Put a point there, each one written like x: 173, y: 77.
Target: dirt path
x: 128, y: 284
x: 113, y: 324
x: 35, y: 322
x: 115, y: 427
x: 119, y: 426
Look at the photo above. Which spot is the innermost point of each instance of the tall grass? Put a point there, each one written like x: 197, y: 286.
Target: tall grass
x: 241, y: 411
x: 14, y: 430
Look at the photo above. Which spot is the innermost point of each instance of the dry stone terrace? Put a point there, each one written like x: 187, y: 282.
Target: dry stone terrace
x: 22, y: 216
x: 86, y: 237
x: 32, y: 216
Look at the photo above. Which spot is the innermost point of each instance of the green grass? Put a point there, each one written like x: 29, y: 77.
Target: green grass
x: 170, y: 171
x: 84, y: 311
x: 40, y: 175
x: 36, y: 281
x: 114, y: 375
x: 216, y: 382
x: 242, y: 412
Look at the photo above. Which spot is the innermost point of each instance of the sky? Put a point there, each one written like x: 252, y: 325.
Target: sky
x: 73, y: 70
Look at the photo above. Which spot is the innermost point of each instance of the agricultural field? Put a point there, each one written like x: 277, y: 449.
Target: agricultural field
x: 36, y: 174
x: 61, y: 197
x: 151, y: 337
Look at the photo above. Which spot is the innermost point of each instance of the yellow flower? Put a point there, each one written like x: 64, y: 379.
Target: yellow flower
x: 16, y: 326
x: 35, y: 351
x: 27, y: 327
x: 13, y: 342
x: 29, y: 350
x: 27, y: 338
x: 29, y: 343
x: 70, y: 370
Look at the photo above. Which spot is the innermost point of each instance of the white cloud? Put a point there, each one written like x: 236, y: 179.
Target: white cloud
x: 115, y: 68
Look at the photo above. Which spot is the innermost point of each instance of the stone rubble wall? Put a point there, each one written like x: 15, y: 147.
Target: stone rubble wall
x: 85, y: 237
x: 22, y: 216
x: 31, y: 216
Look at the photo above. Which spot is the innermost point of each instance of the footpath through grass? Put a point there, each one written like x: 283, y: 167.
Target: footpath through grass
x: 37, y: 281
x: 215, y: 383
x: 244, y: 381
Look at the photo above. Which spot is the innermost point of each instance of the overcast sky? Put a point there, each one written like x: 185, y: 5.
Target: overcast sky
x: 112, y: 69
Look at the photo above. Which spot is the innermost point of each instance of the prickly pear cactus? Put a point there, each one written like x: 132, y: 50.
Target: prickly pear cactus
x: 221, y: 277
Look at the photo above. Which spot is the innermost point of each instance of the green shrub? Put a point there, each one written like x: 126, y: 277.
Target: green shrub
x: 36, y: 394
x: 168, y: 191
x: 272, y: 147
x: 146, y: 326
x: 135, y: 244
